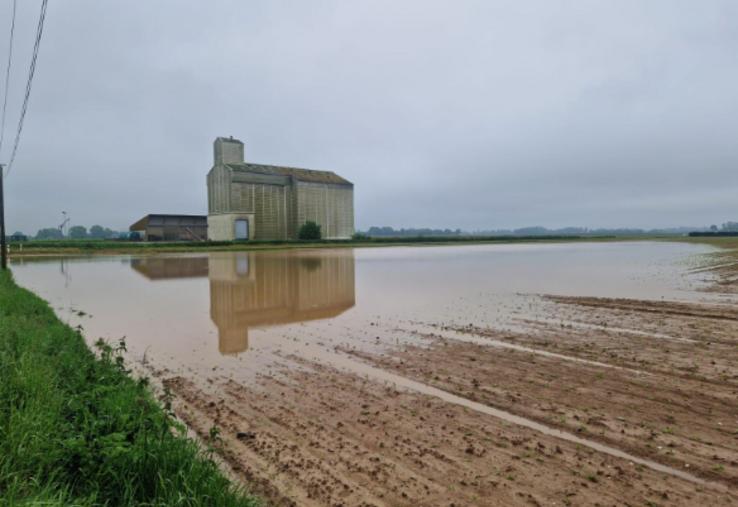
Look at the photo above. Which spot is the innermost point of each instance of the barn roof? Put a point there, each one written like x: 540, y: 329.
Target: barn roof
x: 308, y: 175
x: 161, y: 220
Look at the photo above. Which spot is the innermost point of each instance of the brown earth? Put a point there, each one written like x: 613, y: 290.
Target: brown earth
x: 675, y: 419
x: 665, y: 389
x: 328, y: 438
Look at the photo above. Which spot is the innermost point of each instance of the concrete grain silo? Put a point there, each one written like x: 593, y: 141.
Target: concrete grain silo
x: 267, y: 202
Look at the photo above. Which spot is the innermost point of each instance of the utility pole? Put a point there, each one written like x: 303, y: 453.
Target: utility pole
x: 3, y: 245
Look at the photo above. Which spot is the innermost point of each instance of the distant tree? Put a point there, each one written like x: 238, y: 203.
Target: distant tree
x: 730, y: 226
x: 532, y: 231
x: 714, y: 228
x: 78, y: 232
x: 570, y: 231
x: 97, y: 232
x: 309, y: 230
x: 49, y: 233
x: 18, y: 236
x: 134, y: 236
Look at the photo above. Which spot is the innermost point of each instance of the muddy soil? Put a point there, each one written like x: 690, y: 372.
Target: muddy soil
x: 663, y: 385
x: 679, y: 421
x: 330, y: 438
x: 657, y: 380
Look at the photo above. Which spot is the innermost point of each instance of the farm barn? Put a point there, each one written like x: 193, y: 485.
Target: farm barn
x: 172, y: 228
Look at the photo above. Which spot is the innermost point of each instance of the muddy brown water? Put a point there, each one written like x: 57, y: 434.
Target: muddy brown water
x: 209, y: 309
x: 246, y: 314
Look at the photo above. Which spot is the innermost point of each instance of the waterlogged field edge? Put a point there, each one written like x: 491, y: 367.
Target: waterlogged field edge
x: 76, y: 429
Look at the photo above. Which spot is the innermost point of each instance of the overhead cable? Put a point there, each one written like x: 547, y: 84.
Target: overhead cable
x: 29, y: 83
x: 7, y: 76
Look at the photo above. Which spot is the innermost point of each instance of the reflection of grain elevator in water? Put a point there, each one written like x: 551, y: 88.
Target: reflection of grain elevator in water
x: 252, y: 289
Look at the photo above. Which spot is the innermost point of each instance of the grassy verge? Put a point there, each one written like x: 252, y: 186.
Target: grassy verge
x: 78, y: 430
x: 54, y: 247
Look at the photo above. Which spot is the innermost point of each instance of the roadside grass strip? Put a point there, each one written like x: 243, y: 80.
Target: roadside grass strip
x: 77, y: 429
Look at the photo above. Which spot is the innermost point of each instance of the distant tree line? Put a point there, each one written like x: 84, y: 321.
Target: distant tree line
x: 727, y: 229
x: 379, y: 232
x: 387, y: 232
x: 75, y: 232
x: 100, y: 232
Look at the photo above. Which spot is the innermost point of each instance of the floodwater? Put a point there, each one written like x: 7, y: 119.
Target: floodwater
x: 233, y: 310
x: 242, y: 314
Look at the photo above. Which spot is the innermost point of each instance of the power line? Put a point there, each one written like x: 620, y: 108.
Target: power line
x: 7, y: 76
x: 31, y: 72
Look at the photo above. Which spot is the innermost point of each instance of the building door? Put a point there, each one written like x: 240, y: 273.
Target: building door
x: 242, y: 229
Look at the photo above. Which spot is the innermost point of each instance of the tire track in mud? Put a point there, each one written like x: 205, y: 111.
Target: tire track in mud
x: 711, y: 359
x: 546, y: 324
x: 384, y: 374
x: 582, y: 403
x: 472, y: 336
x: 672, y: 308
x: 382, y: 371
x: 705, y: 398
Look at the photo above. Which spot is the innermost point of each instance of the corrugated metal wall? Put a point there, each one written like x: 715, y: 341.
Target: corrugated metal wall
x: 331, y: 206
x: 271, y: 211
x: 281, y: 209
x: 219, y: 190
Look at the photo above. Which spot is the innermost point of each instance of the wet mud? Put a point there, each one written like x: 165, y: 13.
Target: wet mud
x: 338, y: 382
x: 330, y: 438
x: 666, y: 394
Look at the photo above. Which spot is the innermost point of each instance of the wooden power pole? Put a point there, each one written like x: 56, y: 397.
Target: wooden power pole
x: 3, y: 234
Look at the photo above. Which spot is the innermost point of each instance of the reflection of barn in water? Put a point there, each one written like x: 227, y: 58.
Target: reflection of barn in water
x: 164, y: 268
x: 260, y: 289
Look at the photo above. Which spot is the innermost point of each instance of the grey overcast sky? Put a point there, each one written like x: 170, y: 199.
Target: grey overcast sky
x: 473, y: 114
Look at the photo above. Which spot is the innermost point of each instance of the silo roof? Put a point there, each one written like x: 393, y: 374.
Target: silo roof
x: 307, y: 175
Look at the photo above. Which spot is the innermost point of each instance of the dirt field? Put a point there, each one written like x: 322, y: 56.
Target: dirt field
x: 589, y: 401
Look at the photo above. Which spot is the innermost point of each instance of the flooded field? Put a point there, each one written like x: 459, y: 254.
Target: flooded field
x: 557, y: 374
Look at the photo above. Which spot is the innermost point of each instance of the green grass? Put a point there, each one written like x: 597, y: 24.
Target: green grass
x: 76, y: 429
